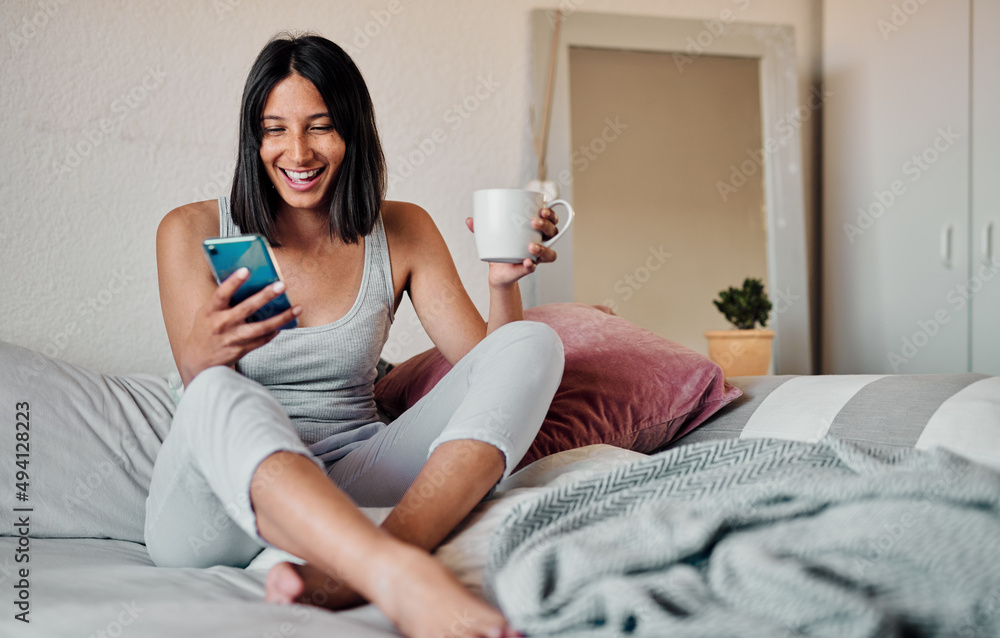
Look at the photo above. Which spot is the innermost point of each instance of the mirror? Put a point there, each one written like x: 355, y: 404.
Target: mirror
x: 647, y: 250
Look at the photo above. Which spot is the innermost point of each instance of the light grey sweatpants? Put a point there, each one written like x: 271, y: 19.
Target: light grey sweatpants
x: 198, y: 512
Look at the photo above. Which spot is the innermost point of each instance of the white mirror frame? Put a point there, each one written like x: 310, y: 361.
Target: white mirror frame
x: 774, y: 46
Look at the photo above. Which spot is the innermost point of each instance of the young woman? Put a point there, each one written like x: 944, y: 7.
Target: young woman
x: 276, y: 441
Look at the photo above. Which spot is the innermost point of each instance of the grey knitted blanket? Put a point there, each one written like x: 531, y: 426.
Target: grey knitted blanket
x: 759, y: 538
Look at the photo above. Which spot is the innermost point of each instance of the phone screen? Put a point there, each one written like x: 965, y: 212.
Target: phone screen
x: 229, y: 254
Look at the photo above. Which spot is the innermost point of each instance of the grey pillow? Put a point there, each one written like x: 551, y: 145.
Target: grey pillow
x: 91, y: 442
x: 959, y: 412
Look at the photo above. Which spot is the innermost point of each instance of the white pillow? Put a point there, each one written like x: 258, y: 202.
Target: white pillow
x: 89, y: 442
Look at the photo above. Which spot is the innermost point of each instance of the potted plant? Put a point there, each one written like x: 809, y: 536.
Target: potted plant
x: 747, y: 349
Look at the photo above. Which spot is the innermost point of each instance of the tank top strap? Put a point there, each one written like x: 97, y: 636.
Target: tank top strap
x: 378, y: 253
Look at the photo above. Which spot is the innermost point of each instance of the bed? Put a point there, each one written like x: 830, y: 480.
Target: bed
x: 575, y: 542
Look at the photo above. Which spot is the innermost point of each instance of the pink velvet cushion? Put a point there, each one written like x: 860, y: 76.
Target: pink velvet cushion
x: 622, y: 385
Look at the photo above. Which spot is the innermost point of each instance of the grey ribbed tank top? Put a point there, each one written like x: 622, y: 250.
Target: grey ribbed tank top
x: 324, y: 376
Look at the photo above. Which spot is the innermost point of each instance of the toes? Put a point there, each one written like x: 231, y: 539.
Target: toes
x: 283, y: 585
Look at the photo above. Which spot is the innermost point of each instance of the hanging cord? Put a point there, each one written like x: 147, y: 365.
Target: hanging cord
x: 542, y: 140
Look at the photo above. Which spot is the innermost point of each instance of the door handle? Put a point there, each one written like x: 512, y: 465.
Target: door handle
x: 946, y: 234
x: 986, y: 244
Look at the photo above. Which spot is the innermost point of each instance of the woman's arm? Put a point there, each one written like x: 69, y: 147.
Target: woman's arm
x: 440, y: 300
x: 203, y: 330
x: 185, y: 283
x: 505, y: 304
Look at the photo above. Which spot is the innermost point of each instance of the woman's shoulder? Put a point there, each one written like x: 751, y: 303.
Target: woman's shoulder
x: 185, y: 226
x: 196, y: 219
x: 405, y: 222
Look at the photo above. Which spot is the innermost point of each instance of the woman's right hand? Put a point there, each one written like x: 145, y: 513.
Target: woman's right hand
x: 220, y: 335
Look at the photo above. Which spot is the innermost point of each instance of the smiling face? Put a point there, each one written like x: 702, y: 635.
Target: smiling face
x: 301, y: 151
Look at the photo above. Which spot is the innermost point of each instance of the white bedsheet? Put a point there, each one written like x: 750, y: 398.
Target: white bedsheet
x: 98, y: 587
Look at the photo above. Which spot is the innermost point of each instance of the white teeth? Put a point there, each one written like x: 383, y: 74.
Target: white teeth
x: 302, y: 176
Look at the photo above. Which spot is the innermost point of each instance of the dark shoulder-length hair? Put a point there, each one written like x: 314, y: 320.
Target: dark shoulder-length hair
x: 361, y: 182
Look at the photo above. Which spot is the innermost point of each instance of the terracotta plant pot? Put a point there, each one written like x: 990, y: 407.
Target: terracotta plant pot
x: 740, y: 352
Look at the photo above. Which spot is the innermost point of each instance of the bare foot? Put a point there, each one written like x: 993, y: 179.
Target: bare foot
x: 413, y: 589
x: 426, y: 601
x: 417, y: 593
x: 290, y: 583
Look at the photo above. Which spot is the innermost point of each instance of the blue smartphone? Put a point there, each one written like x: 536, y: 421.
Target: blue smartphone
x: 226, y: 255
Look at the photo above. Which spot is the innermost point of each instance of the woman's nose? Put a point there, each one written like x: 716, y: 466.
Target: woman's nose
x: 299, y: 149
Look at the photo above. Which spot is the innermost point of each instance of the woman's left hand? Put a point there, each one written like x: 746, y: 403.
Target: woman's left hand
x: 506, y: 274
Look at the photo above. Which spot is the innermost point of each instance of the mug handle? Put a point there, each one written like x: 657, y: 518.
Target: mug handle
x: 562, y: 231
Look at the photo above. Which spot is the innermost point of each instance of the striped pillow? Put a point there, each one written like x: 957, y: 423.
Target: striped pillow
x: 958, y: 412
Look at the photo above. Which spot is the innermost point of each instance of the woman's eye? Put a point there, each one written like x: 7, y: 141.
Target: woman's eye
x: 322, y: 128
x: 273, y: 131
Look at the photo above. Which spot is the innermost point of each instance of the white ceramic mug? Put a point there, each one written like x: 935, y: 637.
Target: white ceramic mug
x: 502, y: 223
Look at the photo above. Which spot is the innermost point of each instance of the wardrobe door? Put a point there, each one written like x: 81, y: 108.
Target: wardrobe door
x: 984, y: 280
x: 896, y: 186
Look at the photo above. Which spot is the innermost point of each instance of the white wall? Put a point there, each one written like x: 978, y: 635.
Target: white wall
x: 79, y: 205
